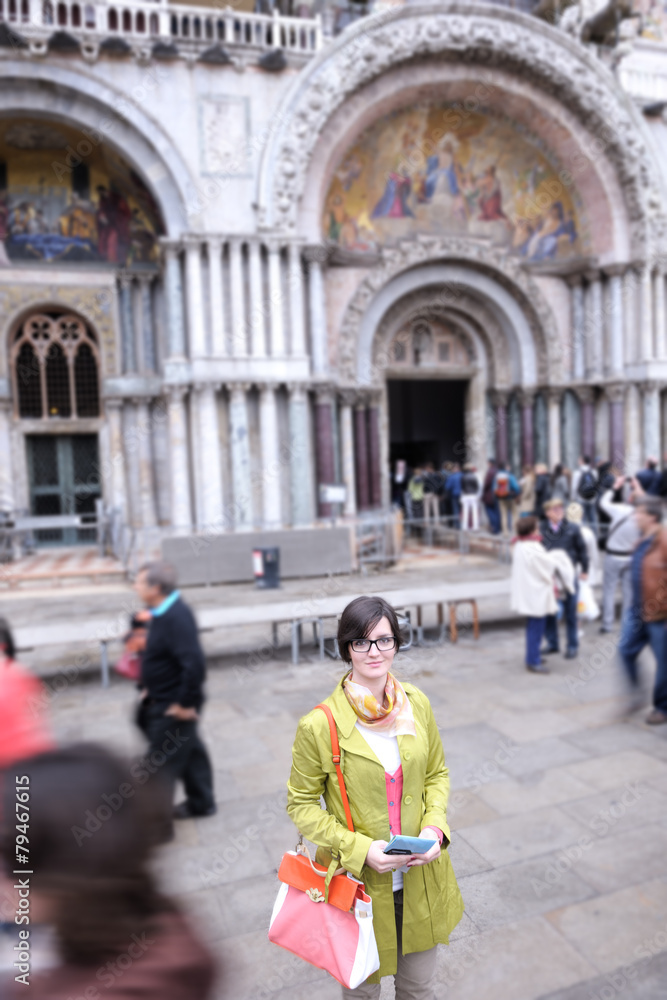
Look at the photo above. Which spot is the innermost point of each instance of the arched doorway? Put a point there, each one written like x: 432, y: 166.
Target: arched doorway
x: 55, y: 367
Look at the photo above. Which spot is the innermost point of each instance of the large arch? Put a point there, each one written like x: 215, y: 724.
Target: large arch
x: 484, y: 38
x: 76, y: 98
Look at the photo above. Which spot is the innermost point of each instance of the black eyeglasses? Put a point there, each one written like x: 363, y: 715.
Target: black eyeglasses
x: 383, y: 644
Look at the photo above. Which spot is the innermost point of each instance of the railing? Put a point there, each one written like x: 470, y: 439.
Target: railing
x: 155, y: 19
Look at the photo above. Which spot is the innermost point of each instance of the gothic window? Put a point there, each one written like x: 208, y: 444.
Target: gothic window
x: 55, y: 368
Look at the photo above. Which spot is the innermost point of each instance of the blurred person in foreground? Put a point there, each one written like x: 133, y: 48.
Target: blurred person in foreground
x: 533, y: 586
x: 91, y: 838
x: 397, y: 782
x: 646, y: 620
x: 173, y: 671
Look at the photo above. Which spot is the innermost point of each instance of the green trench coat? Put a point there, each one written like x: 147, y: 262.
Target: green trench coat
x: 432, y: 903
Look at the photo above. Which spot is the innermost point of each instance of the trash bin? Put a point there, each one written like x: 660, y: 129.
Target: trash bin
x: 266, y: 567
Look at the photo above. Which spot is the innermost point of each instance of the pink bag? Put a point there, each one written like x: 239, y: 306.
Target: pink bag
x: 325, y: 919
x: 129, y: 665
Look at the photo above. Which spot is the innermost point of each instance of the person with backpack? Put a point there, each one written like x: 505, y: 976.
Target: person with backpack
x: 432, y: 486
x: 454, y: 488
x: 585, y: 490
x: 542, y: 489
x: 489, y: 498
x: 506, y: 490
x: 650, y: 478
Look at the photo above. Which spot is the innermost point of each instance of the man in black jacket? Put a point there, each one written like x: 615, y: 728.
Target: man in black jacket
x: 558, y: 533
x: 172, y: 678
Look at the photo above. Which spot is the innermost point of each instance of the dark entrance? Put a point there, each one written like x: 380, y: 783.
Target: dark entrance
x: 426, y: 421
x: 64, y: 474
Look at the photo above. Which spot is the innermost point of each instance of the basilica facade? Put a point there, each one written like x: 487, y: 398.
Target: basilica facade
x: 243, y: 258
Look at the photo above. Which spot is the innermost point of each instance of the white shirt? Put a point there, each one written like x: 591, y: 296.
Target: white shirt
x: 386, y: 750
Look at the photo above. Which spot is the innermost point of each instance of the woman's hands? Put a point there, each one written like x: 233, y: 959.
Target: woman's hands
x: 431, y: 855
x: 381, y: 862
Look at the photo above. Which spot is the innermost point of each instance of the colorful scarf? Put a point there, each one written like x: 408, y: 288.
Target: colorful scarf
x: 396, y: 719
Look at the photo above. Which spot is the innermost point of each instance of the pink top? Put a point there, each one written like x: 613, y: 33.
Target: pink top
x: 394, y: 784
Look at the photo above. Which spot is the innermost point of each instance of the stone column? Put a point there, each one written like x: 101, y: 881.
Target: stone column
x: 317, y: 311
x: 500, y: 413
x: 240, y: 447
x: 300, y: 471
x: 615, y: 320
x: 181, y: 507
x: 578, y: 326
x: 237, y: 297
x: 615, y: 394
x: 587, y: 400
x: 633, y: 429
x: 646, y: 329
x: 144, y: 430
x: 174, y: 300
x: 297, y: 325
x: 118, y: 482
x: 362, y: 456
x: 660, y: 333
x: 325, y: 464
x: 127, y: 325
x: 216, y: 299
x: 555, y: 396
x: 257, y: 303
x: 195, y: 300
x: 373, y: 423
x: 475, y: 421
x: 347, y: 453
x: 631, y: 340
x: 208, y: 483
x: 651, y: 420
x: 147, y: 331
x: 593, y: 327
x: 527, y: 401
x: 276, y: 299
x: 268, y: 423
x: 6, y: 478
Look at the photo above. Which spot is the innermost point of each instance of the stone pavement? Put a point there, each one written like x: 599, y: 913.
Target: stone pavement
x: 558, y: 812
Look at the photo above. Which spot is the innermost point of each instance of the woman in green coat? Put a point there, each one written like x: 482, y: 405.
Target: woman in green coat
x: 397, y: 782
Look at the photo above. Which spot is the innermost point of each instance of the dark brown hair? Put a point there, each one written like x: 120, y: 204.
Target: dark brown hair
x: 526, y: 526
x: 360, y: 617
x: 92, y: 827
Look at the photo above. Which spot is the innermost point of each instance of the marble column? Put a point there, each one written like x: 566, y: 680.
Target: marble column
x: 663, y: 404
x: 6, y: 478
x: 195, y: 299
x: 127, y: 325
x: 216, y: 299
x: 271, y: 463
x: 208, y: 483
x: 373, y: 422
x: 586, y: 397
x: 602, y: 443
x: 144, y: 457
x: 347, y: 453
x: 651, y: 421
x: 174, y: 301
x: 660, y: 332
x: 554, y: 396
x: 257, y: 303
x: 593, y: 327
x: 324, y: 447
x: 240, y: 449
x: 317, y: 311
x: 181, y: 507
x: 500, y: 411
x: 475, y: 426
x: 633, y: 429
x: 615, y: 320
x: 615, y: 394
x: 300, y: 460
x: 527, y: 402
x: 296, y: 302
x: 646, y: 298
x: 276, y: 299
x: 237, y: 299
x: 631, y: 339
x: 147, y: 327
x: 578, y: 320
x: 362, y: 456
x: 118, y: 481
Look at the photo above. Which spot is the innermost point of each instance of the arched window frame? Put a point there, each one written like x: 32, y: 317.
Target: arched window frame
x: 41, y: 331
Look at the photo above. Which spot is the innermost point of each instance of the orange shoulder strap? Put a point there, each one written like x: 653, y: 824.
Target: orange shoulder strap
x: 335, y: 749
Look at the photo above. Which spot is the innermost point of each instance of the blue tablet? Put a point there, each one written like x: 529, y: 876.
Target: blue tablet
x: 409, y: 845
